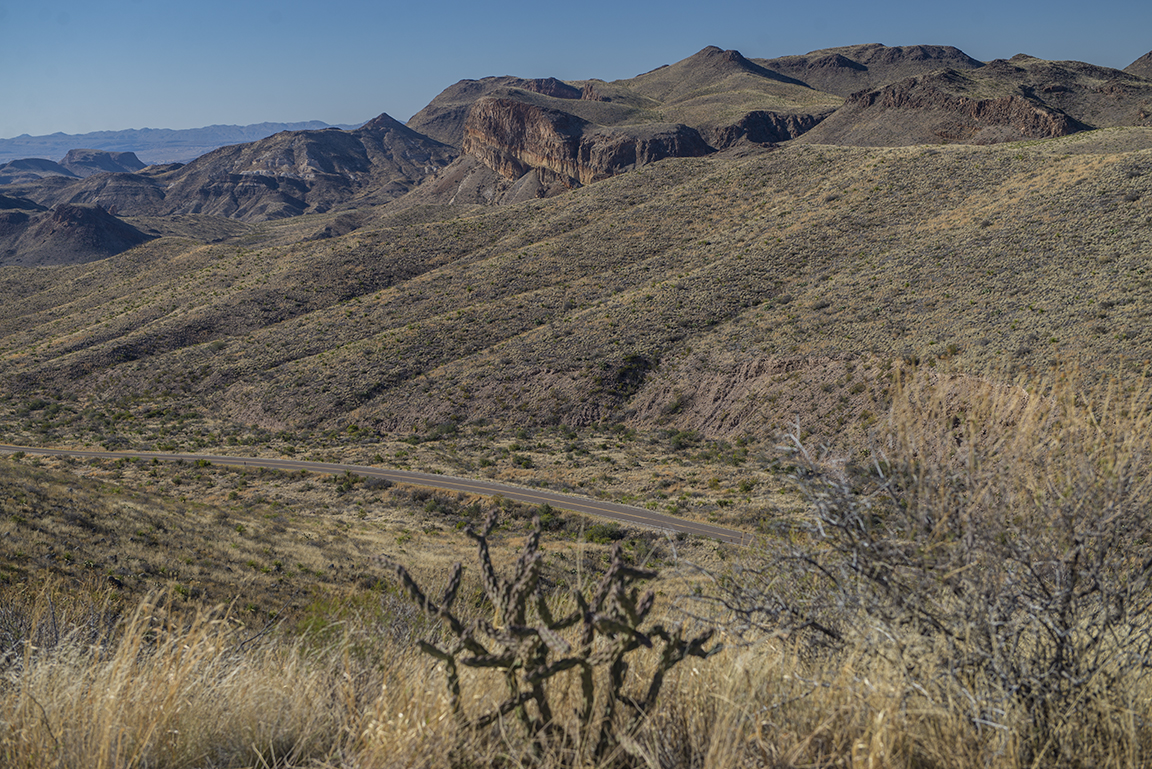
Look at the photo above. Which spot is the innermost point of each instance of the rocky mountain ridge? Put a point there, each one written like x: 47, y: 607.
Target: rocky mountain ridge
x: 508, y: 139
x: 152, y: 145
x: 1004, y: 100
x: 287, y: 174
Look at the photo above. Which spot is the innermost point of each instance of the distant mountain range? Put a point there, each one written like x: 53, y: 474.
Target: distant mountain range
x: 151, y: 145
x: 507, y: 140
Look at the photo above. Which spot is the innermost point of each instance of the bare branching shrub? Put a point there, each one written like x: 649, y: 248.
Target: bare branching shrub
x: 530, y: 648
x: 996, y: 550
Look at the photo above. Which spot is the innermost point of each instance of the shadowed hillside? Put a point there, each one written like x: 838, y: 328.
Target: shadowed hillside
x: 724, y: 293
x: 68, y: 234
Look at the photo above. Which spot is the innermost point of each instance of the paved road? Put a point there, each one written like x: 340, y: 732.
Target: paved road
x: 624, y: 513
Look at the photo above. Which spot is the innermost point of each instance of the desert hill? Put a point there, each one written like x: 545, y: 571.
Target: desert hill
x: 723, y: 294
x: 68, y: 234
x: 324, y: 278
x: 715, y: 89
x: 1005, y: 100
x: 76, y: 164
x: 83, y: 162
x: 1142, y: 67
x: 287, y: 174
x: 847, y: 69
x: 444, y: 117
x: 31, y: 170
x: 547, y: 136
x: 505, y: 140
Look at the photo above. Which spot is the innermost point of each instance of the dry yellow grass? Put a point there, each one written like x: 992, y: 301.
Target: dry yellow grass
x: 186, y: 693
x: 169, y: 685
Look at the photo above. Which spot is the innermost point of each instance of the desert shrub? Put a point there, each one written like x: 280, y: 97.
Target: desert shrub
x: 604, y: 533
x: 995, y: 552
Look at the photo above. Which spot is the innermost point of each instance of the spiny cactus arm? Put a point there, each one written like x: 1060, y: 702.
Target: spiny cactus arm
x: 616, y: 673
x: 543, y: 611
x: 613, y: 627
x: 453, y: 678
x: 522, y: 587
x: 535, y: 659
x: 487, y: 573
x: 605, y: 586
x: 435, y: 651
x: 675, y: 650
x: 633, y: 573
x: 541, y: 674
x: 607, y: 653
x: 585, y: 615
x: 692, y: 648
x: 503, y: 636
x: 531, y: 551
x: 505, y: 708
x: 587, y: 690
x: 410, y: 585
x: 566, y: 622
x: 505, y: 660
x: 425, y: 603
x: 643, y: 607
x: 553, y: 640
x: 452, y: 589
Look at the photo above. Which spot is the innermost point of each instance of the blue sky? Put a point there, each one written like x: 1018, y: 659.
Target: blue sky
x: 75, y: 67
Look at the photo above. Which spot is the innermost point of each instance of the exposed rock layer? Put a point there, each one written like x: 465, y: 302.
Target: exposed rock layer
x: 89, y: 162
x: 942, y: 107
x: 514, y: 138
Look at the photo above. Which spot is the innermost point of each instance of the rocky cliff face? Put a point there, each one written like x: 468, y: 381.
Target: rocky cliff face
x: 90, y: 162
x: 947, y: 106
x: 513, y: 138
x: 763, y: 127
x: 1026, y: 117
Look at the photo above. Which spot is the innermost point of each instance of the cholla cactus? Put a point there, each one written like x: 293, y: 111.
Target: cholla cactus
x: 531, y: 651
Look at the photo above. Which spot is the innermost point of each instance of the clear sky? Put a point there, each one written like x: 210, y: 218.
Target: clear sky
x: 78, y: 65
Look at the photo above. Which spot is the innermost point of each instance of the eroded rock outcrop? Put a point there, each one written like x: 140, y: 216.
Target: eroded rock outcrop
x: 764, y: 127
x: 946, y: 106
x: 84, y: 162
x: 546, y: 86
x: 513, y: 138
x: 1030, y: 119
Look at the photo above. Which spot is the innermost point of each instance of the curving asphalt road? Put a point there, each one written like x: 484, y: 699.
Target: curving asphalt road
x: 636, y: 516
